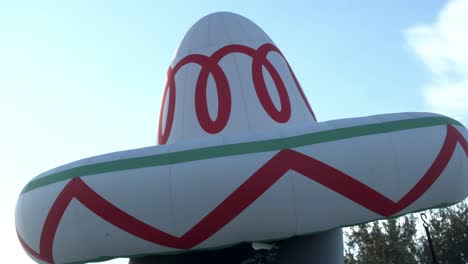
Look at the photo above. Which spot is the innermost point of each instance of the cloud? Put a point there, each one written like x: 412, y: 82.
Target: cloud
x: 443, y: 47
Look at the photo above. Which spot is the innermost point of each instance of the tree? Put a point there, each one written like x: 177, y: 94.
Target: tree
x: 389, y: 241
x: 449, y: 232
x: 395, y: 240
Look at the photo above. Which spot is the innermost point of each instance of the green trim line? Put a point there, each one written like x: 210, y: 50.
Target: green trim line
x: 238, y: 149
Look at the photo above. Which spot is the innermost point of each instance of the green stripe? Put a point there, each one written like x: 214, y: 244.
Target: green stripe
x: 238, y: 149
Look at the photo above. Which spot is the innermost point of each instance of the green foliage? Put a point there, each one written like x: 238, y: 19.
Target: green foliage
x: 449, y: 232
x: 389, y: 241
x: 403, y: 240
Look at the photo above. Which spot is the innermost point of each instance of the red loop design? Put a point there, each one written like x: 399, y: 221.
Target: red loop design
x: 170, y: 85
x: 224, y: 99
x: 260, y: 60
x: 209, y: 65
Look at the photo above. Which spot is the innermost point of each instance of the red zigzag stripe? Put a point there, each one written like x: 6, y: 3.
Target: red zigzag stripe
x: 242, y: 198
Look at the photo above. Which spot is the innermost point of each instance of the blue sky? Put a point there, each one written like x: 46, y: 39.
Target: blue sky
x: 81, y: 78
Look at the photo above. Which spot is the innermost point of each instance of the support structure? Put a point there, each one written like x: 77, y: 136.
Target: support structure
x: 321, y: 248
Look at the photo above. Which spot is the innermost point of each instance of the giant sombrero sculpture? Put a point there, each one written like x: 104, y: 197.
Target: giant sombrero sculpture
x: 241, y: 159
